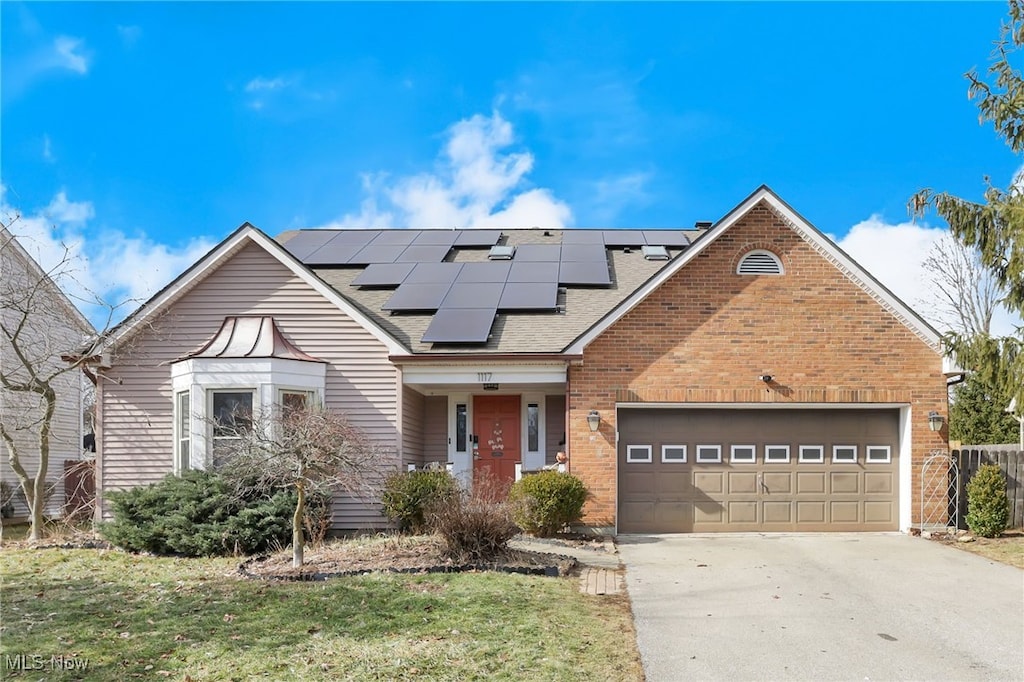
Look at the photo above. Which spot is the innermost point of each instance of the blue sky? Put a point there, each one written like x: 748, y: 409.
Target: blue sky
x: 143, y: 133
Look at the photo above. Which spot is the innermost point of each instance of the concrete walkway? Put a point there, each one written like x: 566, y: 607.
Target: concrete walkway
x: 601, y: 571
x: 821, y: 607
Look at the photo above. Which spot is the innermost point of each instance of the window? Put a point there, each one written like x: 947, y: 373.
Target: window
x: 295, y: 400
x: 844, y: 453
x: 533, y: 427
x: 877, y: 454
x: 760, y: 262
x: 709, y: 453
x: 743, y: 454
x: 776, y: 453
x: 638, y: 453
x: 183, y: 435
x: 232, y: 417
x: 673, y: 453
x: 460, y: 427
x: 812, y: 453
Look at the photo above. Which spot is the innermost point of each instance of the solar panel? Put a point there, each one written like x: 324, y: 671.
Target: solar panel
x: 529, y: 296
x: 436, y: 237
x: 417, y: 296
x: 374, y: 253
x: 360, y: 237
x: 434, y: 272
x: 584, y: 252
x: 538, y: 253
x: 586, y: 273
x: 624, y: 238
x: 460, y: 325
x: 396, y: 237
x: 477, y: 238
x: 583, y: 237
x: 332, y: 254
x: 533, y: 272
x: 674, y: 238
x: 307, y: 241
x: 473, y: 295
x: 383, y: 275
x: 484, y: 272
x: 424, y: 253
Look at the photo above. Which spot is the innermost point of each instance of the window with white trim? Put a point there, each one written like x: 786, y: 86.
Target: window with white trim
x: 639, y: 453
x: 743, y: 454
x: 812, y: 453
x: 709, y: 453
x: 461, y: 426
x: 232, y: 419
x: 760, y: 262
x: 877, y: 454
x: 533, y: 427
x: 844, y: 453
x: 776, y: 454
x: 291, y: 399
x: 183, y: 433
x: 673, y: 453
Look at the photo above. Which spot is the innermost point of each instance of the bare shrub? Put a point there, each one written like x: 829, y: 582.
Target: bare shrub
x: 475, y: 526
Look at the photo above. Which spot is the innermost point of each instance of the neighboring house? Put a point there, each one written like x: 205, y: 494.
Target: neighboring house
x: 743, y: 375
x: 48, y: 325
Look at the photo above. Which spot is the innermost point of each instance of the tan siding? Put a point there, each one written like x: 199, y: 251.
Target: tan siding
x: 435, y: 432
x: 555, y: 418
x: 136, y: 438
x: 412, y: 427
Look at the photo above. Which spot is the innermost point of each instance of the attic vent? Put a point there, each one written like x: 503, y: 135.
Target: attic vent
x: 655, y: 253
x: 501, y: 252
x: 760, y: 263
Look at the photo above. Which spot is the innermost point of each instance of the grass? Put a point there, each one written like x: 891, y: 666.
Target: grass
x: 161, y: 618
x: 1007, y: 549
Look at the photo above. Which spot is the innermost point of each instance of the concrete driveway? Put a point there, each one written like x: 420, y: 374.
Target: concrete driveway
x: 821, y: 607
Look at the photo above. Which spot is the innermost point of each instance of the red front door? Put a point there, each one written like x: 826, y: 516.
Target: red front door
x: 496, y: 428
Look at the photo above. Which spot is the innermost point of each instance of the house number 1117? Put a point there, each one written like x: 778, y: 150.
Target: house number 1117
x: 483, y: 377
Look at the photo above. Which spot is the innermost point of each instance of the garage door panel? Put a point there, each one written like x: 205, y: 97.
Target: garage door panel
x: 816, y: 494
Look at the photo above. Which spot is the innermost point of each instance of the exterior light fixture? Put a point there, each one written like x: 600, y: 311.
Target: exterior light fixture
x: 593, y: 420
x: 935, y: 421
x: 766, y: 378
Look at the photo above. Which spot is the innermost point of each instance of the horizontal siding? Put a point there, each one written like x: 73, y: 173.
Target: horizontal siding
x: 136, y: 436
x: 412, y: 427
x: 435, y: 431
x: 554, y: 416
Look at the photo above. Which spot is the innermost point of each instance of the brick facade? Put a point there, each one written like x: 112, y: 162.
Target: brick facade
x: 707, y: 334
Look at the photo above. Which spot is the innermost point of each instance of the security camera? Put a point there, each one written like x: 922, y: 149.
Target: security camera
x: 766, y: 378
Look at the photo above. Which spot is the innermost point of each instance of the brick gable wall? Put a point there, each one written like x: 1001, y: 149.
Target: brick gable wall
x: 707, y: 334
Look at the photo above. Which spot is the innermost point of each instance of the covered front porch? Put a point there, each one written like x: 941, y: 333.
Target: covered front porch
x: 501, y: 417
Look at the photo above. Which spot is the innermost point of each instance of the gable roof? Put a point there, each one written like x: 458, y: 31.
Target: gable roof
x: 810, y: 234
x: 243, y: 236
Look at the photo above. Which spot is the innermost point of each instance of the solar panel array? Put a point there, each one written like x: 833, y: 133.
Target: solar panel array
x: 465, y: 297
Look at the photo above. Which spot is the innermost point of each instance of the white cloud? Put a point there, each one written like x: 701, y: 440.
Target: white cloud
x: 64, y: 48
x: 260, y: 83
x: 94, y: 265
x: 895, y: 255
x: 478, y: 182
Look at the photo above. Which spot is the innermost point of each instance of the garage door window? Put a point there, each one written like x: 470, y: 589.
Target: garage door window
x: 673, y: 453
x: 743, y: 454
x: 812, y: 453
x: 638, y: 453
x: 709, y: 453
x: 878, y: 454
x: 776, y: 454
x: 844, y: 453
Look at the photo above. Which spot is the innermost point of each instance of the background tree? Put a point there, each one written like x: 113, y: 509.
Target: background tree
x: 995, y: 226
x: 310, y: 449
x: 38, y: 324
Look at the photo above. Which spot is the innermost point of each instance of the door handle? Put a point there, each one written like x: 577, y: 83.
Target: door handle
x: 760, y: 482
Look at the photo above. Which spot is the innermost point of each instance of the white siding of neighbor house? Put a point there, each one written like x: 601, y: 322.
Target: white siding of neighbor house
x: 50, y: 331
x: 136, y: 398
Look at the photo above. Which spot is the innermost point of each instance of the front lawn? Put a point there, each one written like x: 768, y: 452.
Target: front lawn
x: 1007, y: 549
x: 131, y: 616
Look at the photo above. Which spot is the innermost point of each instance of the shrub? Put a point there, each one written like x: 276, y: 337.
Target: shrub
x: 545, y: 502
x: 988, y: 508
x: 474, y: 527
x: 199, y: 514
x: 408, y: 494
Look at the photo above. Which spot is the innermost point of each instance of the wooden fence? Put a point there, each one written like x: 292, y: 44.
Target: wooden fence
x: 1009, y: 459
x: 79, y: 488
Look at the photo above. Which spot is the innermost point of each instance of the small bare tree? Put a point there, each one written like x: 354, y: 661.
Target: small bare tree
x: 966, y: 293
x: 38, y: 325
x: 310, y: 449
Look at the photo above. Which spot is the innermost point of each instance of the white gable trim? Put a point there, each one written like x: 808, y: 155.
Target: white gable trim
x: 215, y: 258
x: 822, y: 244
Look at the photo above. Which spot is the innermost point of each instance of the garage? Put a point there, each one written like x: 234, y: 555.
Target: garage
x: 722, y: 470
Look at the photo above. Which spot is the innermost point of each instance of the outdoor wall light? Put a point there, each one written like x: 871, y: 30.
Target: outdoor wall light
x: 935, y: 421
x: 593, y: 420
x: 766, y: 378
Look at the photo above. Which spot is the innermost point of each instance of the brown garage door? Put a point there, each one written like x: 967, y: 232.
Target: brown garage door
x: 706, y: 470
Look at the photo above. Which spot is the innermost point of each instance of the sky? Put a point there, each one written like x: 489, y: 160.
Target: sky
x: 139, y: 135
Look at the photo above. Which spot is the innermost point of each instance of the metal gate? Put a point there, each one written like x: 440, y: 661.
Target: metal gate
x: 940, y: 486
